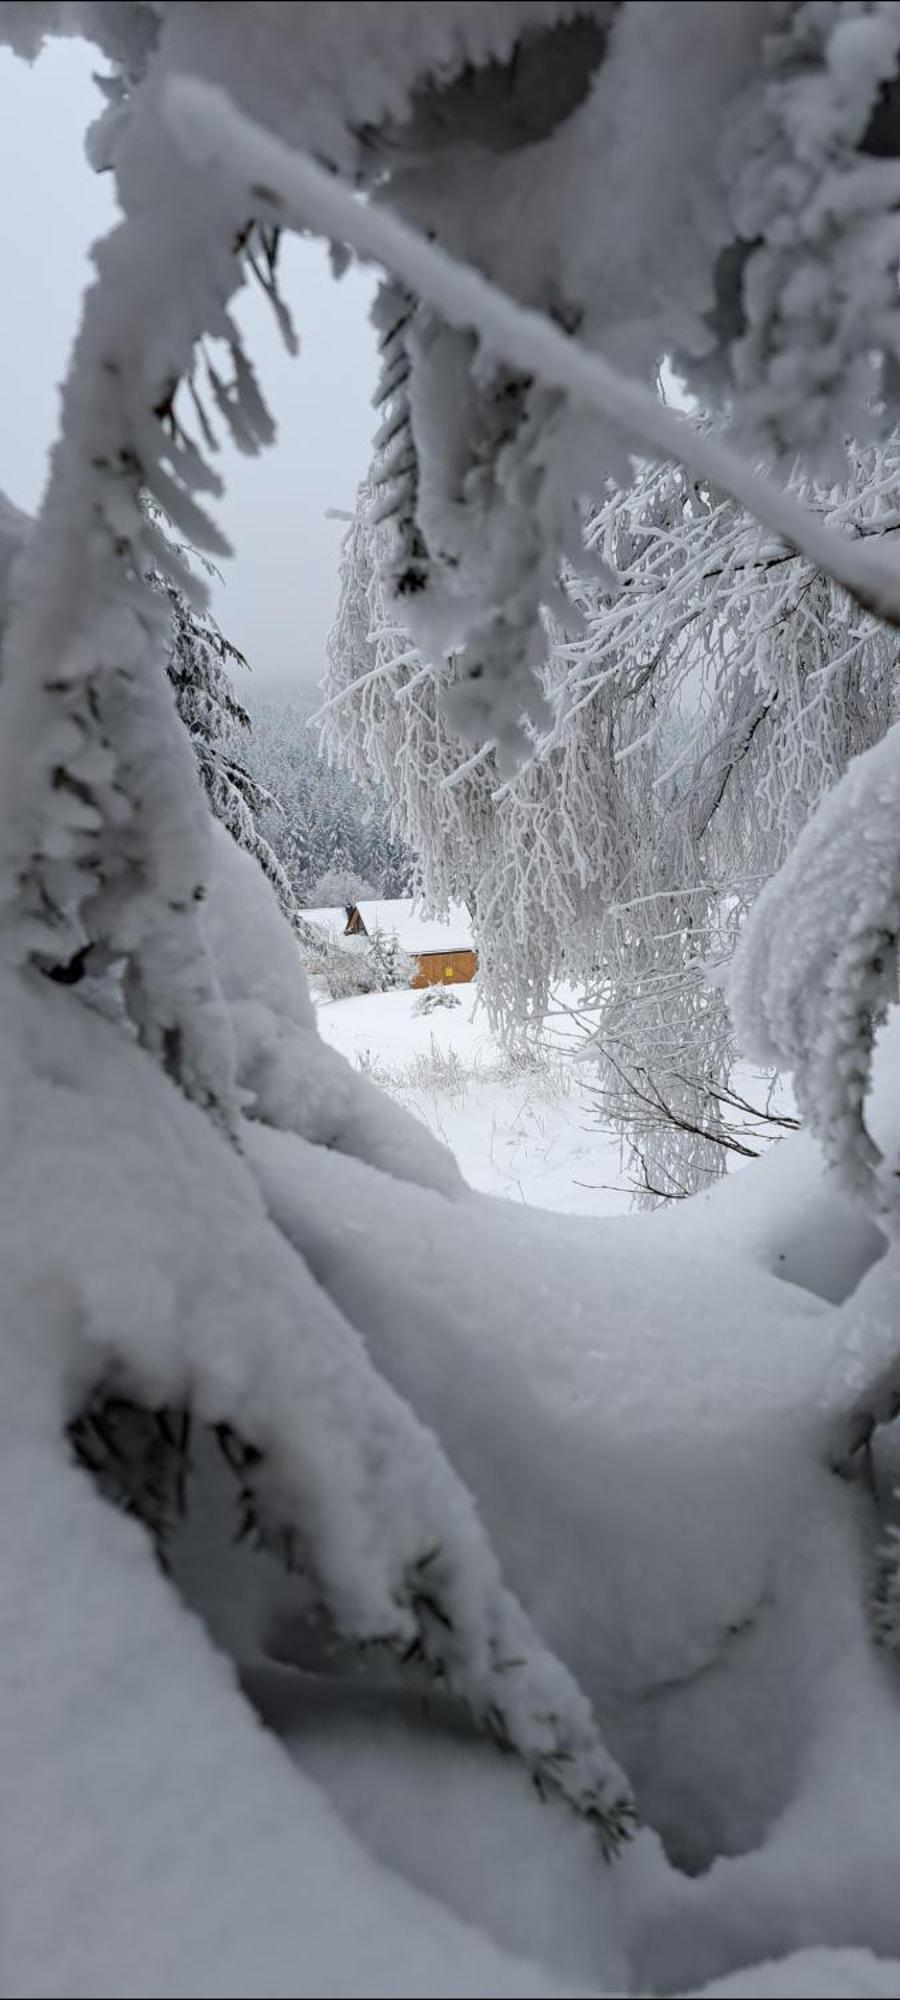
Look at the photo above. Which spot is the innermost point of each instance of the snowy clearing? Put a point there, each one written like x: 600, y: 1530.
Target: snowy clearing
x: 524, y: 1126
x: 521, y: 1128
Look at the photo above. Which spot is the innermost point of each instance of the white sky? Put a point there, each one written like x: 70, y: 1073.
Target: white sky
x: 281, y: 587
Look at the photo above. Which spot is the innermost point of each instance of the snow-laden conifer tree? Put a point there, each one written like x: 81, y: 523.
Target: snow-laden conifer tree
x: 201, y: 665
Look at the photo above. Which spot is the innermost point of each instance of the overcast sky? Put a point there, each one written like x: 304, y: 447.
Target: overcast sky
x: 281, y: 586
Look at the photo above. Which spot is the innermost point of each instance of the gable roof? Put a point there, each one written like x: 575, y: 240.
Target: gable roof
x: 400, y: 918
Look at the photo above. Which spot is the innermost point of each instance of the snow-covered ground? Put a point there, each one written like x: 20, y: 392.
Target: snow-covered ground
x: 525, y: 1129
x: 633, y: 1414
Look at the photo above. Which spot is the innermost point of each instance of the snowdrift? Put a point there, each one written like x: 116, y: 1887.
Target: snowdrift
x: 640, y: 1408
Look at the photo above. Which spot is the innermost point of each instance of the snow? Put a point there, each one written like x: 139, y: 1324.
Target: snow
x: 618, y: 1411
x: 401, y: 917
x: 791, y: 1220
x: 637, y: 1406
x: 154, y: 1839
x: 161, y: 1259
x: 812, y: 1975
x: 526, y: 1123
x: 293, y: 1080
x: 713, y: 1611
x: 13, y: 529
x: 521, y: 1128
x: 457, y: 1819
x: 116, y: 1712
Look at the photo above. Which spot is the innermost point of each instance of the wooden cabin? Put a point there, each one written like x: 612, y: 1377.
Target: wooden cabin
x: 441, y: 947
x: 440, y: 963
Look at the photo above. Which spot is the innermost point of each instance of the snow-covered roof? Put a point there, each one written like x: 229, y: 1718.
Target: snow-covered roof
x: 400, y: 918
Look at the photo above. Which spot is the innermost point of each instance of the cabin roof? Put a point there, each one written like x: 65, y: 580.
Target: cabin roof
x: 401, y: 919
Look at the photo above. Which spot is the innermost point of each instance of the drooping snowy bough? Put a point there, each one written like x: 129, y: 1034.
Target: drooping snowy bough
x: 704, y: 692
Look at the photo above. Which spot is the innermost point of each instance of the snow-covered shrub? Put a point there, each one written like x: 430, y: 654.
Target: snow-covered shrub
x: 339, y: 964
x: 433, y: 997
x: 369, y: 962
x: 437, y: 1068
x: 107, y: 862
x: 392, y: 966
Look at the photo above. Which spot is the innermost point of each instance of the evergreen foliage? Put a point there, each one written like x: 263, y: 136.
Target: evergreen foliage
x: 329, y: 828
x: 200, y: 665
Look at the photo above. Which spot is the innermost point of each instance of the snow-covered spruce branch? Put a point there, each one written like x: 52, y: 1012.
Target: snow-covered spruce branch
x: 106, y: 862
x: 199, y: 661
x: 334, y: 1476
x: 105, y: 839
x: 214, y: 135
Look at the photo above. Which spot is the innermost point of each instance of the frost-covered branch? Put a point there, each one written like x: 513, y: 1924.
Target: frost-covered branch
x: 699, y: 710
x: 216, y: 136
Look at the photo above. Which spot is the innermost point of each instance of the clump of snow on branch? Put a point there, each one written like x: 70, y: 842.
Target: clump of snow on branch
x: 814, y: 181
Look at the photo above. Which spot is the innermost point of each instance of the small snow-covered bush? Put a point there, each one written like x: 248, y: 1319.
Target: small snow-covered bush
x: 437, y: 1069
x: 391, y: 966
x: 340, y: 965
x: 349, y: 966
x: 434, y: 997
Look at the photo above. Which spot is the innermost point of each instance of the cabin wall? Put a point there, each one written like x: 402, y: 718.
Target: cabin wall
x: 444, y: 968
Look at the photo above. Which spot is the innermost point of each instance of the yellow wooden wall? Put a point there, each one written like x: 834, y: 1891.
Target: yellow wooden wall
x: 444, y: 968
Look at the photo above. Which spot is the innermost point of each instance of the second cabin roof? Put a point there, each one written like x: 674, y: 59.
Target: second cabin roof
x: 400, y: 918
